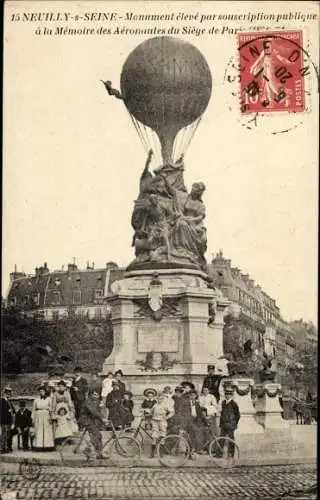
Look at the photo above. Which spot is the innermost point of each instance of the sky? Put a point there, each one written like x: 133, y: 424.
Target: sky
x: 72, y: 158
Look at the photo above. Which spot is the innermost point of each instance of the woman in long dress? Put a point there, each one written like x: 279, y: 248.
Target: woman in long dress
x: 42, y: 422
x: 63, y: 413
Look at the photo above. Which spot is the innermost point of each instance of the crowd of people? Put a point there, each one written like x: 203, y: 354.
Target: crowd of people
x: 66, y: 407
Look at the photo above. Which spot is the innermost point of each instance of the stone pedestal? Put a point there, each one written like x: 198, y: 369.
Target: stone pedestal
x: 242, y: 396
x: 268, y: 407
x: 161, y: 333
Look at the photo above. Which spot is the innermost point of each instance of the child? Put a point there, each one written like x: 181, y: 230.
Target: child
x: 161, y: 412
x: 147, y: 405
x: 64, y: 423
x: 127, y: 404
x: 23, y: 424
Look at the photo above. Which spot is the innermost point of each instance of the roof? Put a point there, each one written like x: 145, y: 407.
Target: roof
x: 63, y: 288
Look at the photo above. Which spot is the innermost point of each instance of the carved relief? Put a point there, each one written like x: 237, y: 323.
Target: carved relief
x: 170, y: 307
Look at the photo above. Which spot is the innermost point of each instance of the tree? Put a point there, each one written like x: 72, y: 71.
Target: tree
x: 303, y: 372
x: 86, y: 342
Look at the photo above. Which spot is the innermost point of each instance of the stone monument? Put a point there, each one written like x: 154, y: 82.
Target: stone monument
x: 167, y: 317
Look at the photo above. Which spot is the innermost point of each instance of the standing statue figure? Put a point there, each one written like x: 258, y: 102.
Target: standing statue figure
x: 168, y: 221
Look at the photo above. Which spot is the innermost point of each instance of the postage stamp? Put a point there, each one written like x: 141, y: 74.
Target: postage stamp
x: 271, y: 66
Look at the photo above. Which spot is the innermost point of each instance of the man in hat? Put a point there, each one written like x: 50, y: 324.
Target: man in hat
x: 229, y: 418
x: 193, y: 422
x: 7, y: 415
x: 92, y: 420
x: 212, y: 382
x: 114, y: 405
x: 78, y: 391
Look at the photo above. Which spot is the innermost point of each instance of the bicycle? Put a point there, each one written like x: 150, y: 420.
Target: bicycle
x: 124, y: 451
x: 171, y: 451
x: 222, y: 450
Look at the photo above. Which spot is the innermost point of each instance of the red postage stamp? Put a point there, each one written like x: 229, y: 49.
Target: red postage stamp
x: 271, y: 71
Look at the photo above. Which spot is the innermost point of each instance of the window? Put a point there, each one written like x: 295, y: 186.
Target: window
x: 98, y: 295
x: 56, y: 298
x: 76, y: 297
x: 98, y: 313
x: 36, y: 299
x: 26, y: 300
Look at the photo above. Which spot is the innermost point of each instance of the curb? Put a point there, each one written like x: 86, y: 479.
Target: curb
x: 242, y: 463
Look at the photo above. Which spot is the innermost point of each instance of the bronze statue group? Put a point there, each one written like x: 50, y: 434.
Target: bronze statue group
x: 66, y: 408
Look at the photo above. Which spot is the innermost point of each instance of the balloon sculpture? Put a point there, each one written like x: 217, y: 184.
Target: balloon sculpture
x: 166, y: 86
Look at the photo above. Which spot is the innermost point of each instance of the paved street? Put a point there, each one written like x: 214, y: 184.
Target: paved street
x: 268, y: 482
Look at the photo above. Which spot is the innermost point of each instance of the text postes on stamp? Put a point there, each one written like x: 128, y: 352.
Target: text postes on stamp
x: 271, y: 71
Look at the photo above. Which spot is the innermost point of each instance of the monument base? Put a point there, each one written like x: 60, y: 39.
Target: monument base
x: 161, y: 327
x: 268, y: 407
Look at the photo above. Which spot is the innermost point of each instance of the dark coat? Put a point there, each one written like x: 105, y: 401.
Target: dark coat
x: 23, y: 419
x: 182, y: 409
x: 212, y: 382
x: 114, y: 405
x: 127, y: 415
x: 90, y: 414
x: 230, y: 415
x: 7, y: 412
x: 78, y: 396
x: 122, y: 387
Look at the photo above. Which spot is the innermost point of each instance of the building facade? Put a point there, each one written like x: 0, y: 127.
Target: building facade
x: 59, y: 293
x: 259, y: 316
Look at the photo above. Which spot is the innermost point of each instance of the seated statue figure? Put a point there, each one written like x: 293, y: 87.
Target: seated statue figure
x: 169, y: 218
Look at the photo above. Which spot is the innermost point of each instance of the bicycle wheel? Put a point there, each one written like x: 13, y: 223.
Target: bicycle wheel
x: 30, y: 469
x: 125, y: 451
x: 224, y: 452
x: 75, y: 450
x: 134, y: 433
x: 173, y: 450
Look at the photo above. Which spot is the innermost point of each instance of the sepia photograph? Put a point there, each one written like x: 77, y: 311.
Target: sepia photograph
x: 159, y: 332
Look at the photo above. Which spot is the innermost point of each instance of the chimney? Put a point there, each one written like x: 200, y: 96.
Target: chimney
x: 16, y: 274
x: 235, y: 271
x: 245, y: 278
x: 45, y: 269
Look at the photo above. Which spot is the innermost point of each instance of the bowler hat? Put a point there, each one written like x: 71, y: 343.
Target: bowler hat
x: 211, y: 367
x: 188, y: 384
x: 120, y: 372
x: 61, y: 382
x: 151, y: 391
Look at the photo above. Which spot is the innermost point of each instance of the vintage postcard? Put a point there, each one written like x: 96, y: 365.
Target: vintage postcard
x: 160, y: 214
